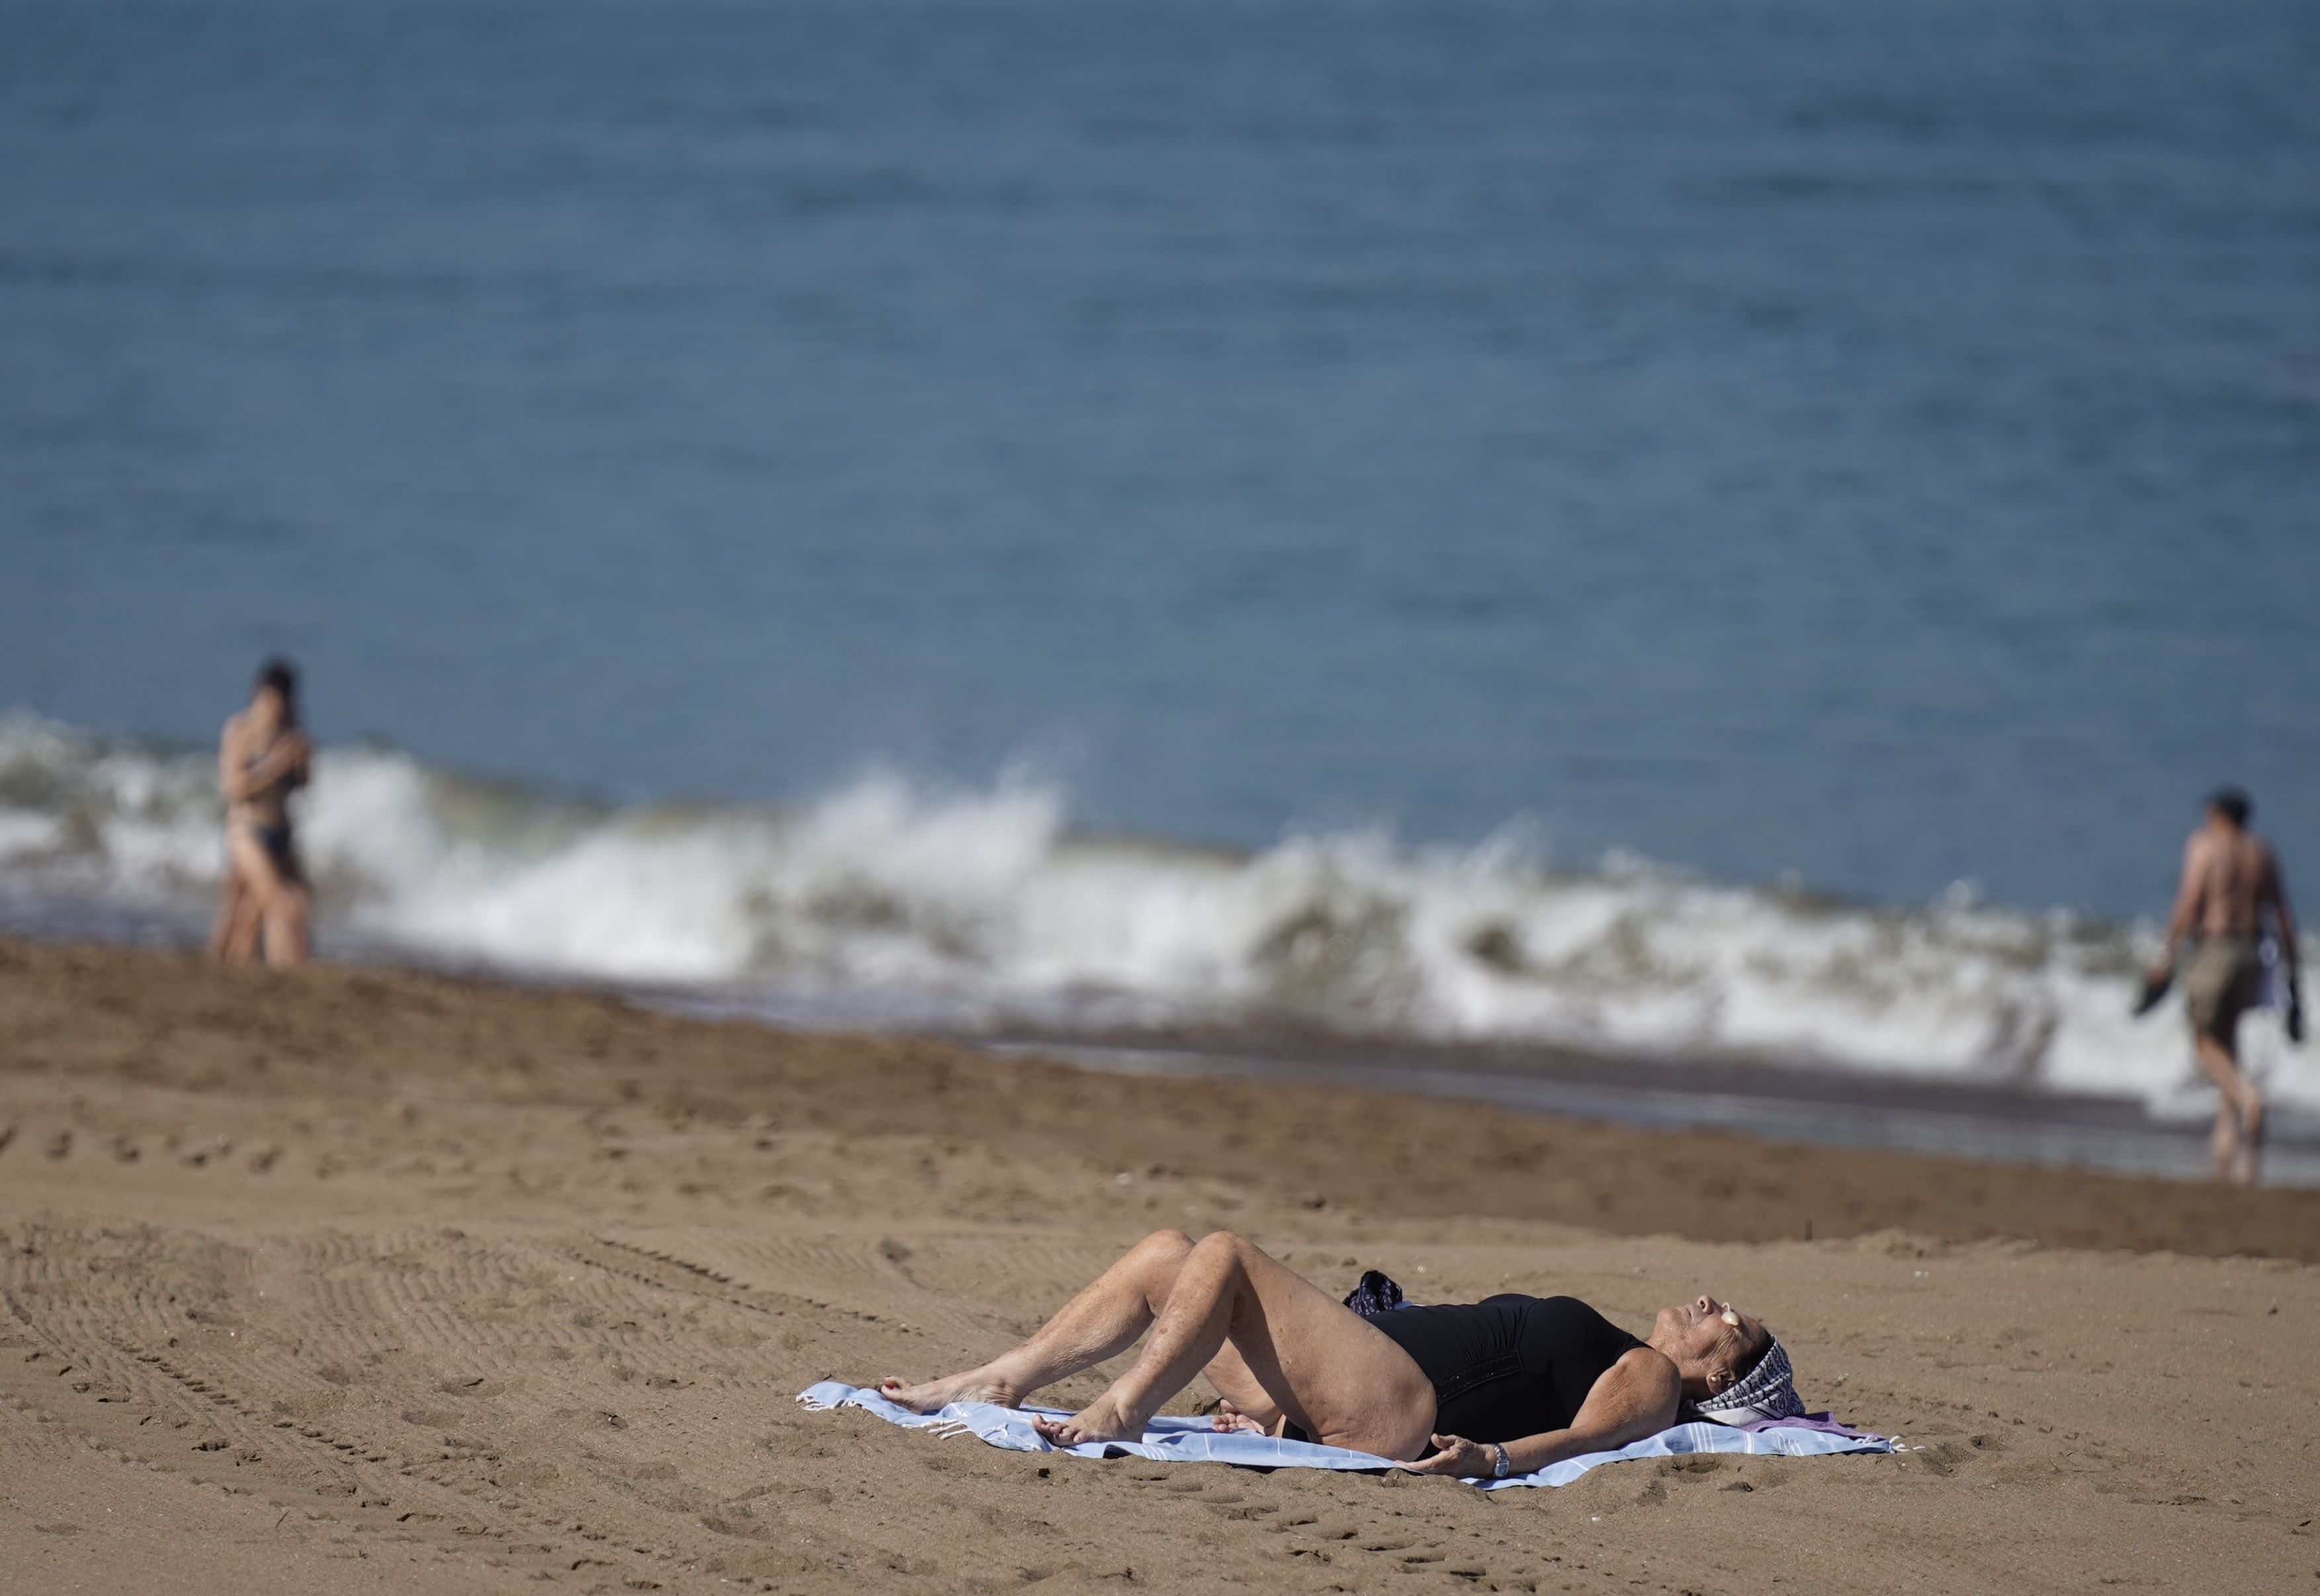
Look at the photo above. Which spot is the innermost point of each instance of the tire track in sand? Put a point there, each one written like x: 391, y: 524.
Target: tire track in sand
x: 68, y: 1359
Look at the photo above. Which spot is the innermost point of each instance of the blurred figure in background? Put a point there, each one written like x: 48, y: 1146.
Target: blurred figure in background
x: 2230, y: 882
x: 262, y: 758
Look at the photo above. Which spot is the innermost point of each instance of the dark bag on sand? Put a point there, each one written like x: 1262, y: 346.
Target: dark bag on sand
x: 1374, y: 1296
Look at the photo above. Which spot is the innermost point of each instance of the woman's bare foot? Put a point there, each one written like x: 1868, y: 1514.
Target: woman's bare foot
x: 975, y: 1385
x: 1102, y: 1419
x: 1228, y: 1418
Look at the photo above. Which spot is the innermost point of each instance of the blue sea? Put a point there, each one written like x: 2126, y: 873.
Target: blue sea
x: 1710, y: 532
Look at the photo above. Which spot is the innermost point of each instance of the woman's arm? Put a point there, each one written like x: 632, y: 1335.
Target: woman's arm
x: 299, y: 768
x: 1635, y: 1397
x: 230, y: 773
x: 289, y: 757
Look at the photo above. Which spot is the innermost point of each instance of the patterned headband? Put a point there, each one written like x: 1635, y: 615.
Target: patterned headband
x: 1768, y: 1390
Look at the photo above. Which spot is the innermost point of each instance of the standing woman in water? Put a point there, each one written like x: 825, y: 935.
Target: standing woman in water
x: 262, y: 758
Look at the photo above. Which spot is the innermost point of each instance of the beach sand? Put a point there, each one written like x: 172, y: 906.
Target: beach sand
x: 361, y: 1280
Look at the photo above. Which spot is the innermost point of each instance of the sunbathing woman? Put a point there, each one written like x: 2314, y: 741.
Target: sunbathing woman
x: 1495, y: 1388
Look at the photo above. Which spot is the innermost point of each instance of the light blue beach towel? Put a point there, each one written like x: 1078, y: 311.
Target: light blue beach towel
x: 1190, y: 1440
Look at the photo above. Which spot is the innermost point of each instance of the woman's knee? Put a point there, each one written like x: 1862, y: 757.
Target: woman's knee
x: 1166, y: 1241
x: 1224, y: 1246
x: 1160, y: 1258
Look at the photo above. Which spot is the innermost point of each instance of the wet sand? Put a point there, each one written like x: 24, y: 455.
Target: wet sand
x: 362, y: 1279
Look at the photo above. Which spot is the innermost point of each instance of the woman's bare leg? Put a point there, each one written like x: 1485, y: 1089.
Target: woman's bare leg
x: 286, y: 919
x: 249, y: 922
x: 1336, y: 1376
x: 234, y: 906
x: 261, y: 884
x: 1101, y: 1322
x: 278, y: 899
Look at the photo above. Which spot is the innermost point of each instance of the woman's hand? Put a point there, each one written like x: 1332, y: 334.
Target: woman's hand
x: 288, y: 756
x: 1457, y: 1456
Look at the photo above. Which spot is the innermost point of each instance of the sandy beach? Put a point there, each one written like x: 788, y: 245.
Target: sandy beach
x: 361, y: 1280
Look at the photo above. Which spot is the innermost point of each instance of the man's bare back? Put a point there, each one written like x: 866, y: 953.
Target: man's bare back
x: 2229, y: 879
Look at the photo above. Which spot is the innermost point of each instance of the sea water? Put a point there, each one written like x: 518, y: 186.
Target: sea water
x: 1710, y: 533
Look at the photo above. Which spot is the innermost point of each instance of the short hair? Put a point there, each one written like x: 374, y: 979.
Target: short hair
x: 280, y: 675
x: 2232, y: 803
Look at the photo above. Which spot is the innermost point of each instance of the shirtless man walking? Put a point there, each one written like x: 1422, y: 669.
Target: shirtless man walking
x: 262, y: 758
x: 2230, y: 881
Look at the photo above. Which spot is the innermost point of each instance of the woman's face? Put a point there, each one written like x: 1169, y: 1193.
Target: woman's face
x: 1706, y: 1339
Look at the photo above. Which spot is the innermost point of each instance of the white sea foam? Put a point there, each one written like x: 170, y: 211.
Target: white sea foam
x: 983, y: 905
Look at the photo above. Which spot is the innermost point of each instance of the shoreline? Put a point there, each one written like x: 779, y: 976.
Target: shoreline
x: 2112, y: 1135
x: 1997, y: 1119
x: 1289, y: 1136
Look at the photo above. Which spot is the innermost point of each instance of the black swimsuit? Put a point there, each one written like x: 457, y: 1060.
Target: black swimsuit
x: 276, y: 841
x: 275, y: 837
x: 1507, y: 1366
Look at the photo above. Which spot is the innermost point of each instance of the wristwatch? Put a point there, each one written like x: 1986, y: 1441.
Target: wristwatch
x: 1505, y: 1465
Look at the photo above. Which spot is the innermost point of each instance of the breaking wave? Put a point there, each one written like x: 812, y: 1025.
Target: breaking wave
x: 984, y: 908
